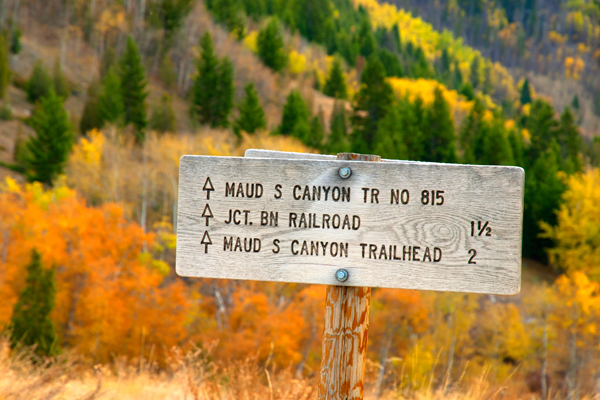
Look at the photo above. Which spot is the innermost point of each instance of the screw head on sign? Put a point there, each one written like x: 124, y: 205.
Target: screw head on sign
x: 345, y: 172
x: 341, y: 275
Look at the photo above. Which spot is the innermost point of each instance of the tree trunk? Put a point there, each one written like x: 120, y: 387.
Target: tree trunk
x: 313, y: 334
x: 448, y: 382
x: 383, y: 356
x: 344, y: 356
x: 572, y: 372
x: 545, y: 361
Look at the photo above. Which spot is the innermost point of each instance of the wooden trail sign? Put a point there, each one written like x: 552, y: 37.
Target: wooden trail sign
x: 389, y: 224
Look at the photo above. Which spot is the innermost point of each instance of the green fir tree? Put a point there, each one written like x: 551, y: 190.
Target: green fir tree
x: 335, y: 85
x: 90, y: 119
x: 50, y: 147
x: 4, y: 67
x: 338, y: 141
x: 162, y: 118
x: 30, y: 322
x: 252, y: 116
x: 271, y: 47
x: 525, y: 93
x: 61, y: 85
x: 439, y: 140
x: 110, y: 104
x: 317, y: 132
x: 371, y: 104
x: 213, y: 86
x: 40, y: 83
x: 133, y: 92
x: 294, y: 120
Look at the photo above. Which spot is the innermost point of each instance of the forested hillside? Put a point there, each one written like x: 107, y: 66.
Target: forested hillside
x: 99, y: 100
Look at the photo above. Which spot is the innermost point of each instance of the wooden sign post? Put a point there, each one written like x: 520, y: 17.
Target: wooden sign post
x: 344, y: 348
x: 352, y: 225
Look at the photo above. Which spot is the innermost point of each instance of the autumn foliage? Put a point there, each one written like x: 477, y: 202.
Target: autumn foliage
x: 113, y: 296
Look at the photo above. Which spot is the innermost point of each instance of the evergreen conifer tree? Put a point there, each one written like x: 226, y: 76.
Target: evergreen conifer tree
x: 317, y: 132
x: 110, y: 104
x: 525, y: 93
x: 4, y: 67
x: 294, y: 120
x: 252, y: 116
x: 570, y: 142
x: 474, y: 73
x: 335, y: 85
x: 206, y: 82
x: 470, y: 131
x: 213, y: 86
x: 31, y: 323
x: 457, y: 78
x: 49, y: 148
x: 133, y: 89
x: 337, y: 141
x: 270, y: 46
x: 61, y: 85
x: 439, y: 139
x: 109, y: 60
x: 415, y: 128
x: 389, y: 138
x: 90, y: 119
x: 371, y: 103
x: 225, y: 93
x: 163, y: 118
x: 39, y: 83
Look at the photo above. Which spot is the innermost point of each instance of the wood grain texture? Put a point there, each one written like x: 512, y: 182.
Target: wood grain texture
x: 344, y: 348
x: 471, y: 194
x: 346, y: 333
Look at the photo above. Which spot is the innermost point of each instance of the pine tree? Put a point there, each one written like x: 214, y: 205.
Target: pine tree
x: 167, y: 72
x: 474, y: 73
x: 252, y: 116
x: 61, y: 85
x: 163, y: 118
x: 389, y: 139
x: 213, y: 89
x: 270, y: 46
x: 225, y: 93
x: 457, y: 78
x: 133, y: 89
x: 15, y: 42
x: 371, y: 103
x: 470, y: 131
x: 543, y: 128
x: 109, y: 60
x: 110, y: 104
x: 206, y: 82
x: 31, y: 323
x: 39, y: 83
x: 570, y: 142
x: 337, y: 141
x: 496, y: 147
x: 335, y: 85
x: 90, y: 119
x: 4, y: 67
x: 525, y: 93
x: 294, y: 120
x: 49, y: 148
x: 317, y: 132
x: 439, y: 139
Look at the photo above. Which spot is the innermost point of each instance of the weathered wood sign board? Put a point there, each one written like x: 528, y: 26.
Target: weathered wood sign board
x: 390, y: 224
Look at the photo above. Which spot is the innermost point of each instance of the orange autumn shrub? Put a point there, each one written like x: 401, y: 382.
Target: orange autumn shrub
x: 113, y: 296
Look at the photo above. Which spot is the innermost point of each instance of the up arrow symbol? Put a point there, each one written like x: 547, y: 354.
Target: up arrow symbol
x: 207, y: 213
x: 206, y: 241
x: 208, y: 187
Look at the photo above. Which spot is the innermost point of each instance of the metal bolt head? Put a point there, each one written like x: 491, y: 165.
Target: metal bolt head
x: 341, y: 275
x: 345, y: 172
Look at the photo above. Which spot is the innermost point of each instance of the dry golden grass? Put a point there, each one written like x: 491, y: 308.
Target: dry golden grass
x: 193, y: 375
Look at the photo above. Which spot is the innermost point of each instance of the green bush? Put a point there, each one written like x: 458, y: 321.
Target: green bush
x: 6, y: 113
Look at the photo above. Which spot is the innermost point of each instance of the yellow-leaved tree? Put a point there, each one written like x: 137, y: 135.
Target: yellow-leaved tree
x: 577, y: 233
